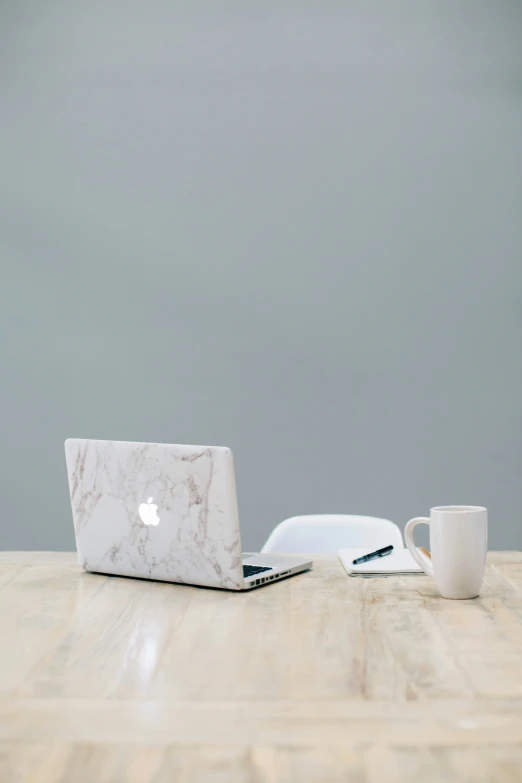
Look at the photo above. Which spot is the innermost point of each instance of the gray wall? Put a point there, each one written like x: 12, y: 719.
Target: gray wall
x: 294, y: 229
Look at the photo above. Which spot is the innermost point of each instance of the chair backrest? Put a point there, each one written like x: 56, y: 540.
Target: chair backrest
x: 330, y: 532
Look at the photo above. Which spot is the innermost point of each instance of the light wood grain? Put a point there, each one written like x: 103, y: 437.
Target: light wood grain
x: 320, y: 677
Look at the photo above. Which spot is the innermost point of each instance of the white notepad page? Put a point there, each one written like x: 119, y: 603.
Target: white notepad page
x: 399, y: 563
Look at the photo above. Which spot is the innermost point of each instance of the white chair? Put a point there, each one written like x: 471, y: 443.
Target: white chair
x: 330, y: 532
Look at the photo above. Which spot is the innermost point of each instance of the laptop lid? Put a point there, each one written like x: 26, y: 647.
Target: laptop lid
x: 156, y: 511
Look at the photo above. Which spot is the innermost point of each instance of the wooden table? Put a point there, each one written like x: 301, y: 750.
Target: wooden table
x: 317, y: 678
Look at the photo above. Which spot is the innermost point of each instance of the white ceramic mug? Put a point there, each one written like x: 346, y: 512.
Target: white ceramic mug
x: 458, y: 544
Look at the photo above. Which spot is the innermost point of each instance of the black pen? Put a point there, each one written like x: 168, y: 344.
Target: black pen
x: 387, y: 550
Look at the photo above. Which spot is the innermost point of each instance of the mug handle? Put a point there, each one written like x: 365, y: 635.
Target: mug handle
x: 419, y: 557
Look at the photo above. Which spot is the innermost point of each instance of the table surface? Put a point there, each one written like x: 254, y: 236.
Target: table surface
x: 320, y: 677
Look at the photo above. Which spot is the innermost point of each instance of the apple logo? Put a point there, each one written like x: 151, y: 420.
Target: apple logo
x: 147, y: 512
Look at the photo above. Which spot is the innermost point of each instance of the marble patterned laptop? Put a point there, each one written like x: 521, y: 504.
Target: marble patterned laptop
x: 162, y: 511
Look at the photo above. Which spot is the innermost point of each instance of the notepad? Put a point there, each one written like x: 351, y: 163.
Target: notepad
x: 399, y: 563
